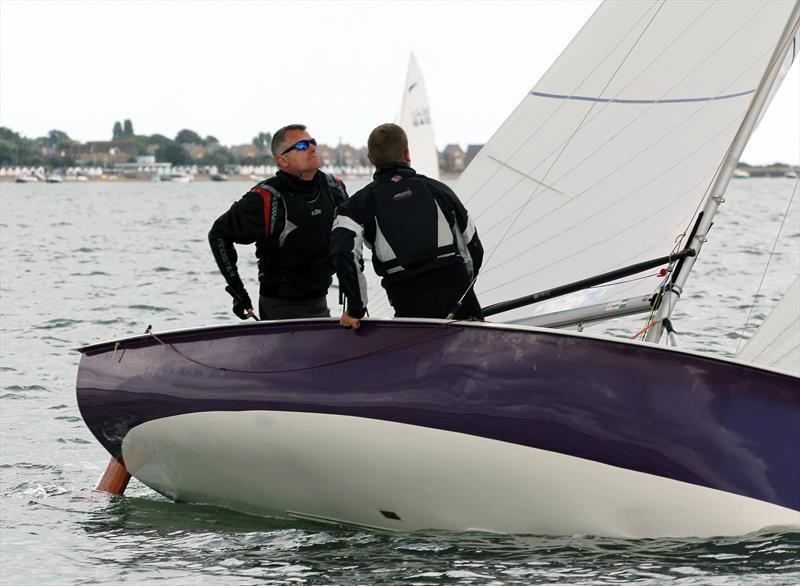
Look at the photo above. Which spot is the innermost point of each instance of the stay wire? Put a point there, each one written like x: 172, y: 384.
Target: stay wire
x: 766, y: 267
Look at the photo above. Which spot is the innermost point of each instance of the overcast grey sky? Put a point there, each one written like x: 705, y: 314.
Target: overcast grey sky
x: 232, y: 69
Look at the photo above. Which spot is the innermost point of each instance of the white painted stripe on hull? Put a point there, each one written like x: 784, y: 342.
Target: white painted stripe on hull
x: 350, y: 469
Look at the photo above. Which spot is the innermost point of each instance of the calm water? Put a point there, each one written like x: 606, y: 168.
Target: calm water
x: 85, y: 263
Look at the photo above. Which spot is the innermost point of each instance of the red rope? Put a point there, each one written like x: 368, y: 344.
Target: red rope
x: 311, y: 367
x: 643, y: 330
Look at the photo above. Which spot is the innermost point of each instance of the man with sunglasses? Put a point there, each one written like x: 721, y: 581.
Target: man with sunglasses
x: 289, y: 218
x: 424, y: 244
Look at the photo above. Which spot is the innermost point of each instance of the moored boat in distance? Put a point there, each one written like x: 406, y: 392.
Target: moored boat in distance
x: 26, y: 179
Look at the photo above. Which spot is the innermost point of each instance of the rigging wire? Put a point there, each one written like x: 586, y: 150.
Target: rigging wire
x: 726, y: 160
x: 766, y: 267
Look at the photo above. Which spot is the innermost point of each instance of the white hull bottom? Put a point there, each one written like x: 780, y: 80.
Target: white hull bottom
x: 366, y: 472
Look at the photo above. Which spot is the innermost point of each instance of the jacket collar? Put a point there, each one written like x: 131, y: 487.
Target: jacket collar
x: 393, y: 169
x: 298, y: 185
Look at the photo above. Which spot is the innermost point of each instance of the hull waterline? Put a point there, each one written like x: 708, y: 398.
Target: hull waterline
x: 417, y: 424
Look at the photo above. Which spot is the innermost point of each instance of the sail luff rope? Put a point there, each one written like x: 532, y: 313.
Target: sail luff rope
x: 766, y: 267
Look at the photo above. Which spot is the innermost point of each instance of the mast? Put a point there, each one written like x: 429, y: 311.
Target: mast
x: 673, y: 291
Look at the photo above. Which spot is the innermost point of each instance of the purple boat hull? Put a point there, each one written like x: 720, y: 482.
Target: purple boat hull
x: 678, y: 415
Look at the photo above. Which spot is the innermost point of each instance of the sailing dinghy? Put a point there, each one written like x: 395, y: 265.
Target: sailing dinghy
x: 415, y: 119
x: 611, y: 168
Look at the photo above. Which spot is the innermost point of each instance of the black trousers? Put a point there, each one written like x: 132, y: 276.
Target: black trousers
x: 274, y: 308
x: 435, y: 294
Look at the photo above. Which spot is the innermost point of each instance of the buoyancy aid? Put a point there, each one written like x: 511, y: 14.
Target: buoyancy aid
x: 295, y: 262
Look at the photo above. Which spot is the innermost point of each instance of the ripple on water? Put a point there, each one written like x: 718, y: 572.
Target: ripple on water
x: 35, y: 490
x: 107, y: 322
x: 26, y: 388
x: 29, y: 466
x: 57, y: 323
x: 55, y: 339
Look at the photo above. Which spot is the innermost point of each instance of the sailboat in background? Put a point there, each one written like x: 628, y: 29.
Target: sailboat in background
x: 621, y: 153
x: 415, y: 119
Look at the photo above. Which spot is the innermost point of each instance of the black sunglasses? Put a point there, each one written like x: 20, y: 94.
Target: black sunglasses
x: 301, y: 145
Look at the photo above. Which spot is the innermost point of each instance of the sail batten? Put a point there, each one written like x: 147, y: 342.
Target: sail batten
x: 600, y: 99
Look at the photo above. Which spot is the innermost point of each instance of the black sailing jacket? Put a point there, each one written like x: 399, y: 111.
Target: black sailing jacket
x: 289, y: 220
x: 412, y: 223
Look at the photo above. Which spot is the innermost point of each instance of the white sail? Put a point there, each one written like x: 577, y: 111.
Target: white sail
x: 776, y: 343
x: 415, y: 118
x: 607, y: 161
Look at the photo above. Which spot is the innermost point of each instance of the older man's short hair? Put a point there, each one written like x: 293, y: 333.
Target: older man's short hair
x: 386, y: 144
x: 278, y: 144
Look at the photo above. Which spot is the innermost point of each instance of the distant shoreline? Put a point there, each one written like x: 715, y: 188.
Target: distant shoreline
x: 199, y: 178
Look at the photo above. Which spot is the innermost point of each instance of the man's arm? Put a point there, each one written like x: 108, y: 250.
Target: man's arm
x: 464, y: 225
x: 243, y: 223
x: 347, y: 239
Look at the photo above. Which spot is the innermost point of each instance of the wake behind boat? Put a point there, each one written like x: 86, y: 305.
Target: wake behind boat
x: 621, y: 153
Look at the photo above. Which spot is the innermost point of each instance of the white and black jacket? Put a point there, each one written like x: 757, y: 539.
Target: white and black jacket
x: 413, y: 224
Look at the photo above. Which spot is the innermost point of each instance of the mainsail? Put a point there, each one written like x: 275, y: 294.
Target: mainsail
x: 415, y: 118
x: 611, y: 156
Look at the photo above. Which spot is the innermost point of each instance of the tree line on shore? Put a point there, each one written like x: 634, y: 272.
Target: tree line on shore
x: 57, y: 149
